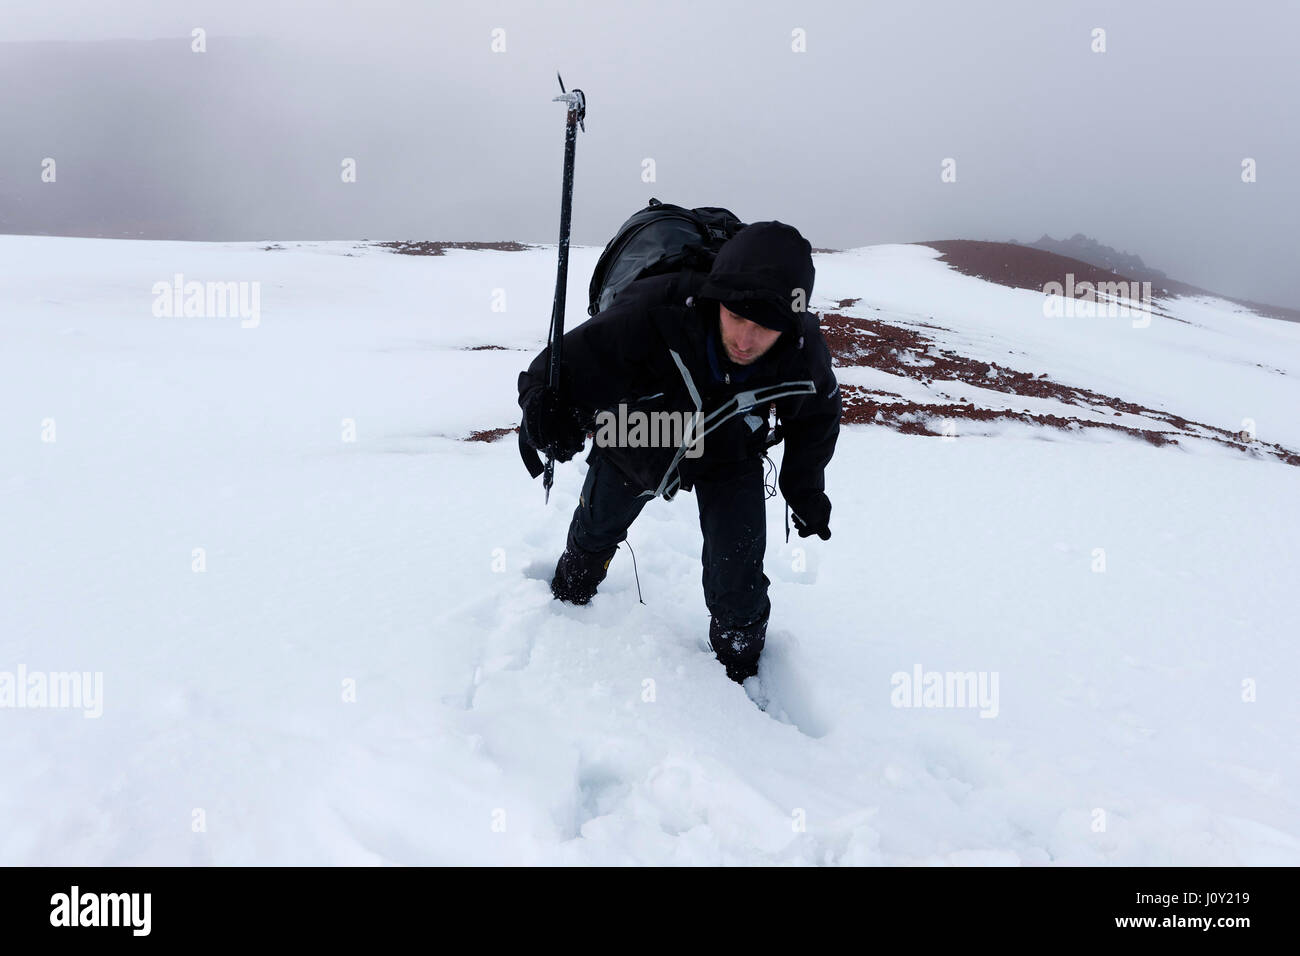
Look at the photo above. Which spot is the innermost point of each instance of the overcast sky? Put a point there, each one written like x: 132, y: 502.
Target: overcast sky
x: 1139, y: 147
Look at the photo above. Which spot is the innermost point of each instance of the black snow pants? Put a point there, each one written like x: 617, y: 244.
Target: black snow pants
x: 733, y: 519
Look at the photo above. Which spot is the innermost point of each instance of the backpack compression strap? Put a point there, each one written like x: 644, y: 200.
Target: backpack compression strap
x: 532, y: 461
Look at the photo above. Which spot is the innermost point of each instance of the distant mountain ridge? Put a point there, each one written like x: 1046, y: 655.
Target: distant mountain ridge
x: 1089, y: 250
x: 1031, y: 265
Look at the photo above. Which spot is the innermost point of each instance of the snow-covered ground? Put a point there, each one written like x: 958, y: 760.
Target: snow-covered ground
x: 367, y: 666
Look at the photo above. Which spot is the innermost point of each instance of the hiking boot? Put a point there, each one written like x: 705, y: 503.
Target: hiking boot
x: 738, y: 648
x: 578, y: 573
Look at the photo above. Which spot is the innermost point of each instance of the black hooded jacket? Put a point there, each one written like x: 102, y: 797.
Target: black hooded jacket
x: 658, y: 348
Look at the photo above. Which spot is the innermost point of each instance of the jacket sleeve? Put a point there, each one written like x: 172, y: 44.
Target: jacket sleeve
x: 604, y: 358
x: 810, y: 425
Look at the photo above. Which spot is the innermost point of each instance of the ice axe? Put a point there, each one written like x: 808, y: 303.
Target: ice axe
x: 574, y: 120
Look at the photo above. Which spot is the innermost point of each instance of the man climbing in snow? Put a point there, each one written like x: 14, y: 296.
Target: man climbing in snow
x: 724, y: 349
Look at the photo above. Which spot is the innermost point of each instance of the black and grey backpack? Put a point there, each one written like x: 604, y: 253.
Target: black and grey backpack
x: 658, y: 239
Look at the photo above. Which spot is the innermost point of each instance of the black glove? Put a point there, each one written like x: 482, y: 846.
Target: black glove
x: 552, y: 425
x: 813, y: 516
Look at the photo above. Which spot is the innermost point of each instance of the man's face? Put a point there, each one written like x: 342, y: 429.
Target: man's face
x: 745, y: 341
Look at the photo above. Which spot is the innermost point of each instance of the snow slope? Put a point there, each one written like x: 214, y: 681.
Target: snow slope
x: 491, y: 725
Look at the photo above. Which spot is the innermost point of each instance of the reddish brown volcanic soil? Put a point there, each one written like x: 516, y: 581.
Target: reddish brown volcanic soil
x: 909, y: 353
x: 408, y: 248
x: 1023, y: 267
x: 491, y: 434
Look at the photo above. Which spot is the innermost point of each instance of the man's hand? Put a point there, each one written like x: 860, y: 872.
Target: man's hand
x: 552, y: 425
x: 812, y: 516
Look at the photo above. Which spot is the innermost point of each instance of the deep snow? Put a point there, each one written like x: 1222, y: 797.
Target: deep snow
x: 491, y: 725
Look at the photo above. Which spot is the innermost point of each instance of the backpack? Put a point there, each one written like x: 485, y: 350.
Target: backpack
x: 660, y: 238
